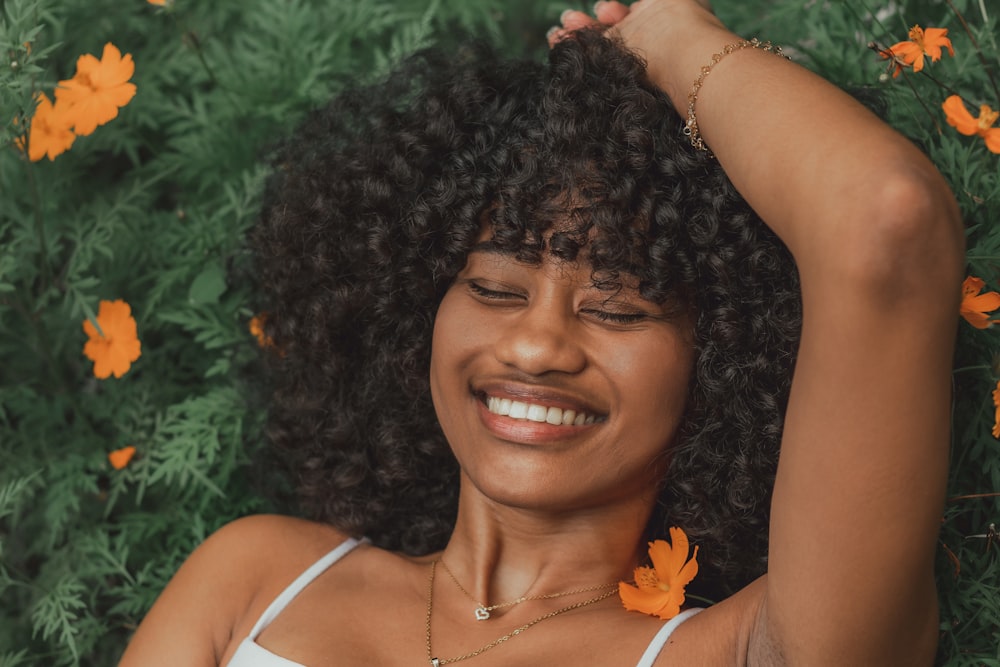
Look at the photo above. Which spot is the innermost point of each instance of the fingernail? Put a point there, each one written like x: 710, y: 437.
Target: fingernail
x: 551, y: 31
x: 597, y: 5
x: 562, y: 17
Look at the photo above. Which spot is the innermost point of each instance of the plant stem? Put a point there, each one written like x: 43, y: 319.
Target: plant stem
x: 43, y: 246
x: 979, y: 52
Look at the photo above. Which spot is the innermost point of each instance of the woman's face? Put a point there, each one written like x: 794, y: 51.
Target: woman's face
x: 552, y: 393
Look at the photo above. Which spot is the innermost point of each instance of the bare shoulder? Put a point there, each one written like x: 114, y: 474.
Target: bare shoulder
x: 725, y: 634
x: 224, y: 585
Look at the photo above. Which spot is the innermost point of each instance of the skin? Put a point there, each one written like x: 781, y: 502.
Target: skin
x: 861, y: 476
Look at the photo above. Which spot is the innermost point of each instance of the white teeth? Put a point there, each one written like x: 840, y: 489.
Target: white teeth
x: 537, y: 413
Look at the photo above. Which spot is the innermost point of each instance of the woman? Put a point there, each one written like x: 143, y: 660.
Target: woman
x: 613, y: 335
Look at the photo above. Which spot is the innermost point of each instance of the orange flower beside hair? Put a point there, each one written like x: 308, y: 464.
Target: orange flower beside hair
x: 922, y: 43
x: 116, y: 345
x: 121, y: 457
x: 98, y: 89
x: 959, y: 118
x: 257, y: 323
x: 659, y: 590
x: 975, y: 306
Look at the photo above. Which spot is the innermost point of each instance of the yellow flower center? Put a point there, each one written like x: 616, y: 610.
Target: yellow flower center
x: 646, y: 577
x: 663, y: 586
x: 84, y: 79
x: 917, y: 36
x: 987, y: 117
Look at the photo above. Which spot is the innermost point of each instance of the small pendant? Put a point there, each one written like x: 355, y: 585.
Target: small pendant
x: 435, y: 662
x: 482, y: 613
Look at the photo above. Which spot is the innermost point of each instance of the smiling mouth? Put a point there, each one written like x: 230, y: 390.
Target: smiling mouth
x: 535, y: 412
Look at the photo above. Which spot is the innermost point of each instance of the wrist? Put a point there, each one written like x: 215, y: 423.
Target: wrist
x: 675, y: 40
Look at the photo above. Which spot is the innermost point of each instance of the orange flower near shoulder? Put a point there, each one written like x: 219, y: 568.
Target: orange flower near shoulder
x: 98, y: 89
x: 121, y: 457
x: 50, y: 133
x: 975, y: 306
x: 959, y: 118
x: 659, y: 590
x: 159, y: 3
x: 116, y: 345
x: 921, y: 43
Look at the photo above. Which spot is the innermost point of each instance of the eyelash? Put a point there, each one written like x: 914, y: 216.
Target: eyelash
x: 617, y: 318
x: 603, y: 315
x: 489, y: 293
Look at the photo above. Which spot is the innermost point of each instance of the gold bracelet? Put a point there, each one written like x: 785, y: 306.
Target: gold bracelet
x: 691, y: 126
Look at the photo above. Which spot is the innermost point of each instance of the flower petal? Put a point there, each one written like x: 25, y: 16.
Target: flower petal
x: 120, y: 458
x: 657, y: 603
x: 958, y: 116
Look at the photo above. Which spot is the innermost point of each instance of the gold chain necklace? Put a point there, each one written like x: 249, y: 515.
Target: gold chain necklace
x: 438, y: 662
x: 483, y: 612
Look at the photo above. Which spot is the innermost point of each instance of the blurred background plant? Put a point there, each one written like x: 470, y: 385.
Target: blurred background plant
x: 117, y: 462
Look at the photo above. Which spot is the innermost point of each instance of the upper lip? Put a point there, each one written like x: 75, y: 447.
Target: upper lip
x: 538, y: 394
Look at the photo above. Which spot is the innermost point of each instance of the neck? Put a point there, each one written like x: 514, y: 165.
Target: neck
x: 501, y: 553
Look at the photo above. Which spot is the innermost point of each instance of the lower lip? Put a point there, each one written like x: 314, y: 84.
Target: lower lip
x: 526, y: 431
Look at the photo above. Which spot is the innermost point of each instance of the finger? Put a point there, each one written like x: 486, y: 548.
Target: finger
x: 610, y: 13
x: 574, y: 20
x: 556, y: 35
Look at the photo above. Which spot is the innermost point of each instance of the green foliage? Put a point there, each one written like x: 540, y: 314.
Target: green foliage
x: 833, y: 38
x: 153, y: 206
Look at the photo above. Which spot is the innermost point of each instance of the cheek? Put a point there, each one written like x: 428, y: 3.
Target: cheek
x: 654, y: 381
x: 454, y: 337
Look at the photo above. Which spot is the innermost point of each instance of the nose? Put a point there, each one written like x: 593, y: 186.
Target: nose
x: 542, y: 339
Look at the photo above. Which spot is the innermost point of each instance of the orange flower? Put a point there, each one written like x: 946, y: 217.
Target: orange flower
x: 50, y: 134
x: 921, y: 43
x: 116, y: 345
x: 120, y: 457
x: 659, y: 590
x: 960, y: 119
x: 97, y: 90
x: 257, y: 323
x: 996, y: 417
x: 975, y: 305
x: 159, y: 3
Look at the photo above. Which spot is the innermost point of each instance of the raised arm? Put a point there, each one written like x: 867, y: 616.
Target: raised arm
x: 877, y: 239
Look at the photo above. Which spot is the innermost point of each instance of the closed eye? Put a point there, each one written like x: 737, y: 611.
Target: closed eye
x: 617, y: 318
x: 491, y: 294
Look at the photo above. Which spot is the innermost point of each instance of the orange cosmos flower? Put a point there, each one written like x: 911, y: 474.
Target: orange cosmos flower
x: 98, y: 89
x: 659, y: 590
x: 121, y: 457
x: 116, y: 345
x: 257, y: 323
x: 158, y: 3
x: 921, y: 43
x: 960, y: 119
x: 50, y: 134
x: 975, y: 305
x: 996, y: 417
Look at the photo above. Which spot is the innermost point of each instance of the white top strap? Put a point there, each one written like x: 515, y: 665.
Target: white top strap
x: 301, y: 582
x: 660, y: 640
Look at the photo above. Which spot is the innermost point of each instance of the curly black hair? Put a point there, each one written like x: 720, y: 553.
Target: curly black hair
x: 372, y: 210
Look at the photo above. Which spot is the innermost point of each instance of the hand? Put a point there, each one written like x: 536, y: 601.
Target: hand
x: 606, y: 13
x: 674, y: 37
x: 623, y: 19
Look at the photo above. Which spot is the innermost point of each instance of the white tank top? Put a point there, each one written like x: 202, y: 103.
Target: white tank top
x: 251, y: 654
